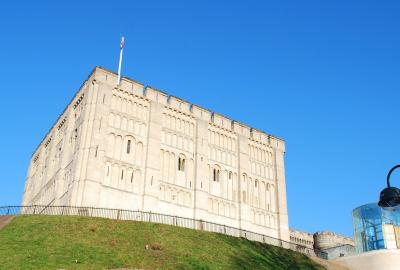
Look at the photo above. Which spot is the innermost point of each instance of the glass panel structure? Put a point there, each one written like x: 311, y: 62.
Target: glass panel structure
x: 376, y: 227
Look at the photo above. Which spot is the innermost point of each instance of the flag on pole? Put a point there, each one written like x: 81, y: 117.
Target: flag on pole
x: 121, y: 45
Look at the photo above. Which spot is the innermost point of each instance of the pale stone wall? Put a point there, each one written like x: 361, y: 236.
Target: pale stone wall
x: 338, y: 251
x: 328, y: 245
x: 135, y: 147
x: 302, y: 238
x: 325, y: 239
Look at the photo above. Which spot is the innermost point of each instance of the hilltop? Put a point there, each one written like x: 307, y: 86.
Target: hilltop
x: 71, y: 242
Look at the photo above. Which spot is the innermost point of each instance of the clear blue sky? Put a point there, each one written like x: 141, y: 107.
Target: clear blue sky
x: 324, y: 75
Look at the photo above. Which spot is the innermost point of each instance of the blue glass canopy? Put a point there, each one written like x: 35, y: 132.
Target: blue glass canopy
x: 376, y: 228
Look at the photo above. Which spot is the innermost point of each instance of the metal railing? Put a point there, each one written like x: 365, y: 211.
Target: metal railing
x: 120, y: 214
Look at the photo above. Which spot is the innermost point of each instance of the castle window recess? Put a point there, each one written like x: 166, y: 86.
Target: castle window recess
x: 181, y: 164
x: 47, y: 143
x: 216, y: 175
x: 61, y: 124
x: 78, y: 101
x: 128, y: 147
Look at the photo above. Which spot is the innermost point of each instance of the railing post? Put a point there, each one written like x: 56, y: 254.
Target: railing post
x: 118, y: 213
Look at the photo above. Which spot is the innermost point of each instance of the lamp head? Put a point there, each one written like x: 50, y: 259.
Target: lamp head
x: 390, y: 197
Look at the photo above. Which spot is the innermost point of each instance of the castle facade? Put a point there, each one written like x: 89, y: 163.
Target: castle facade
x: 133, y: 147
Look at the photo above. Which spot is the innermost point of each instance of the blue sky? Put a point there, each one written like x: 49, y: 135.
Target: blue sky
x: 324, y: 75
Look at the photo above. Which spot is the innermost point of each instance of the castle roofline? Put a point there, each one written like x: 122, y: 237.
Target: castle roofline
x: 109, y: 71
x: 333, y: 234
x: 186, y: 101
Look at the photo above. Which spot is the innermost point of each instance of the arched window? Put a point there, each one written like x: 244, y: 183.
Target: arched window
x: 128, y: 147
x: 216, y: 175
x: 230, y: 175
x: 181, y: 164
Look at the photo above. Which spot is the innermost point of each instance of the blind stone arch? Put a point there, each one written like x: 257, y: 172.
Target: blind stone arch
x: 111, y: 119
x: 139, y: 153
x: 118, y: 147
x: 115, y: 175
x: 113, y: 101
x: 110, y: 144
x: 137, y: 181
x: 124, y: 125
x: 272, y: 192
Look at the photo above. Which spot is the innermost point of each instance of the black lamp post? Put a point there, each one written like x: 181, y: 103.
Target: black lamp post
x: 390, y: 196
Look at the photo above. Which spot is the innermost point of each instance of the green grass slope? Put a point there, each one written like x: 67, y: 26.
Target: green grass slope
x: 60, y: 242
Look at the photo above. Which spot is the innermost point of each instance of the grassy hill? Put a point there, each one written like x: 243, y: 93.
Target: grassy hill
x: 60, y: 242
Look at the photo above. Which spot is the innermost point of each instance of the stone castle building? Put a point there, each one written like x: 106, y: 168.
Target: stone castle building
x: 326, y: 244
x: 302, y: 238
x: 133, y: 147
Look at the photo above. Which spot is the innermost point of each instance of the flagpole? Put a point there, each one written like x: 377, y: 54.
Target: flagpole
x: 120, y: 58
